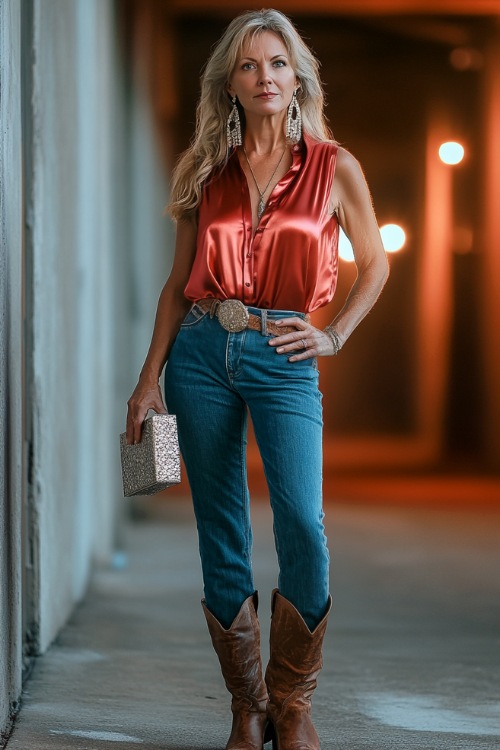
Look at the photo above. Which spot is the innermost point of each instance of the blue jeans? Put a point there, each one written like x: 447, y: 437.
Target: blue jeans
x: 212, y: 379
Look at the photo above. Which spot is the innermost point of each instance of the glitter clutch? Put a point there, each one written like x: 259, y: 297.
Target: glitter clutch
x: 153, y: 464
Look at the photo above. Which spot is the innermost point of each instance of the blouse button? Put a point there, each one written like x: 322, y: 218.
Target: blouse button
x: 247, y: 283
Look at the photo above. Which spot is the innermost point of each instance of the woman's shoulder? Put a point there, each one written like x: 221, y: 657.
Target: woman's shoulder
x: 346, y: 160
x: 348, y: 169
x: 350, y: 183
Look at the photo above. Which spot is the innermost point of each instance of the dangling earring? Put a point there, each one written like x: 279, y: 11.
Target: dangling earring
x: 233, y: 128
x: 294, y: 120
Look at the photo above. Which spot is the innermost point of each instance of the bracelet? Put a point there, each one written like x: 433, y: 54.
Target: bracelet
x: 334, y: 338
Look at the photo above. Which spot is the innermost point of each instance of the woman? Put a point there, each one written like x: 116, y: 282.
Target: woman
x: 258, y: 199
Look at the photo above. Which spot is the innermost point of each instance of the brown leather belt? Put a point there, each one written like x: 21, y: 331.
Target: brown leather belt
x: 234, y: 317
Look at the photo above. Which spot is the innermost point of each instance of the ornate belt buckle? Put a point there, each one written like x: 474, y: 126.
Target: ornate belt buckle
x: 232, y: 315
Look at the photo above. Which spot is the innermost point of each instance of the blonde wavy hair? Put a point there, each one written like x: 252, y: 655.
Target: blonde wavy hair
x: 209, y: 150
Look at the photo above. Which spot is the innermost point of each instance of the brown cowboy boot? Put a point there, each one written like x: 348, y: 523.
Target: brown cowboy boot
x: 238, y: 650
x: 291, y: 675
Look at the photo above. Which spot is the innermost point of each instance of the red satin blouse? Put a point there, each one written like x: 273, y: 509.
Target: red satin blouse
x: 291, y: 261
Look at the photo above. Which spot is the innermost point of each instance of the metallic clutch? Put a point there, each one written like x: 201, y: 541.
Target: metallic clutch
x: 153, y: 464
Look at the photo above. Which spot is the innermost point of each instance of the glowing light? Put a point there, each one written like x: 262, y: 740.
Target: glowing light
x: 345, y: 248
x: 393, y: 237
x: 463, y: 240
x: 466, y: 58
x: 451, y: 152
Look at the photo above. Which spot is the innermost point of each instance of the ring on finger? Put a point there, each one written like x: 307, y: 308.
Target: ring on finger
x: 304, y: 342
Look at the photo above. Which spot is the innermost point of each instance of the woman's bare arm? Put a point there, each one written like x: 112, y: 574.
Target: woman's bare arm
x: 171, y: 310
x: 351, y: 201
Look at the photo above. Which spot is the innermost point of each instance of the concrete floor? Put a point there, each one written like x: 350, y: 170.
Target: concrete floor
x: 412, y: 654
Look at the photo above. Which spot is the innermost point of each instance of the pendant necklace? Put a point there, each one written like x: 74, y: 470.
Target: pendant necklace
x: 262, y: 203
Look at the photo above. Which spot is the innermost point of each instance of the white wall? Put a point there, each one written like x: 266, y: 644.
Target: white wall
x: 88, y: 145
x: 96, y: 251
x: 10, y: 360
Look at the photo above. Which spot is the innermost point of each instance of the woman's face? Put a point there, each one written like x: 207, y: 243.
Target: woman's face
x: 263, y: 78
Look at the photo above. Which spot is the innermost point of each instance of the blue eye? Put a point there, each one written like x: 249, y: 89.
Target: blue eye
x: 246, y: 66
x: 280, y: 63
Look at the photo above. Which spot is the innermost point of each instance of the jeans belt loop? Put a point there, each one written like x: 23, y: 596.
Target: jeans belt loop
x: 263, y: 322
x: 213, y: 307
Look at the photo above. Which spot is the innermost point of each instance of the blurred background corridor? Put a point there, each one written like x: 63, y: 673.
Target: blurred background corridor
x: 97, y: 99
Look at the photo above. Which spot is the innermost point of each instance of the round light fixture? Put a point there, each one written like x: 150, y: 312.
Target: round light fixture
x: 345, y: 248
x: 451, y: 152
x: 393, y: 237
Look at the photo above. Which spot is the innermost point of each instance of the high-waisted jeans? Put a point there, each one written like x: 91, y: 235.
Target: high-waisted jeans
x: 212, y: 379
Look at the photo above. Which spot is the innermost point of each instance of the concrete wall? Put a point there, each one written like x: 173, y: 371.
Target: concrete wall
x: 10, y: 360
x: 93, y: 159
x: 95, y: 250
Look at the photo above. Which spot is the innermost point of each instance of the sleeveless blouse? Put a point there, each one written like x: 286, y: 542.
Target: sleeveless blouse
x: 291, y: 261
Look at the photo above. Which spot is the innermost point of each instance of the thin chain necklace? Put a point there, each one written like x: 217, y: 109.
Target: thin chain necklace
x: 262, y: 203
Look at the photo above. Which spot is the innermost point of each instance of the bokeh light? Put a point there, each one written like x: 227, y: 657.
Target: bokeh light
x: 451, y: 152
x: 466, y: 58
x: 393, y: 237
x: 345, y: 248
x: 463, y: 240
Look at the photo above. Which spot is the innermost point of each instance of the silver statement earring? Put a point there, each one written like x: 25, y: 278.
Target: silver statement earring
x: 233, y: 128
x: 294, y: 120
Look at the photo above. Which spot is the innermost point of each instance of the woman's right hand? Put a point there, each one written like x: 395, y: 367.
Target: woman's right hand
x: 146, y: 395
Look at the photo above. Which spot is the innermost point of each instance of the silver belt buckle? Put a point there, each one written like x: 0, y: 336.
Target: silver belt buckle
x: 232, y: 315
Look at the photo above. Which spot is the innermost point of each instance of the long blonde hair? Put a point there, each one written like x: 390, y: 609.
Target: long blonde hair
x: 209, y: 150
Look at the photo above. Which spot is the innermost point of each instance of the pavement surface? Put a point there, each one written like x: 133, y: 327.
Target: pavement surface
x: 412, y: 653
